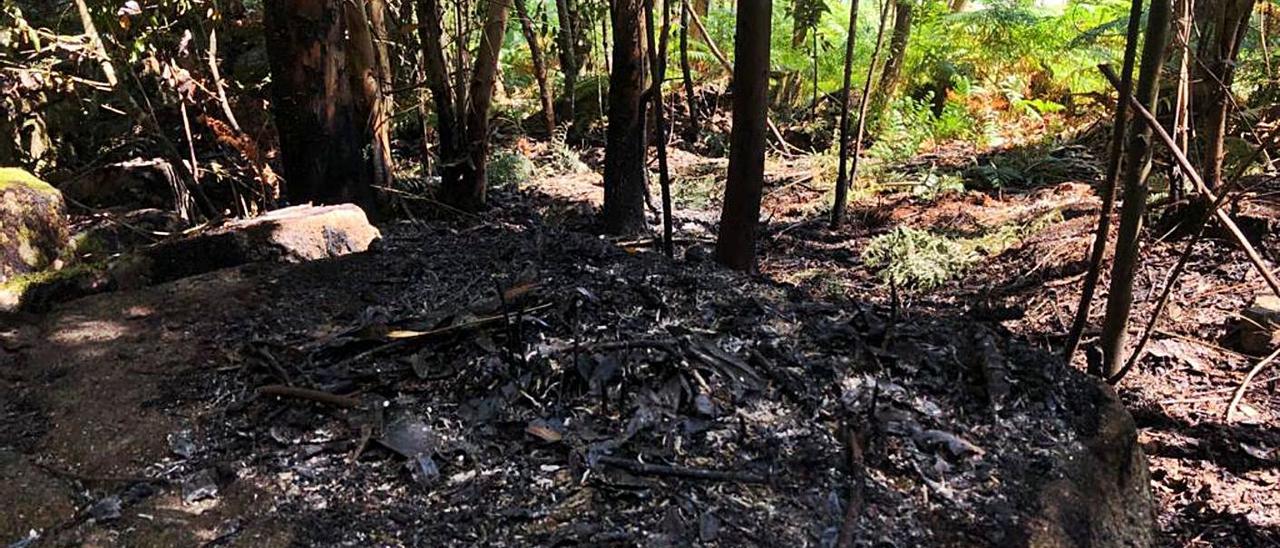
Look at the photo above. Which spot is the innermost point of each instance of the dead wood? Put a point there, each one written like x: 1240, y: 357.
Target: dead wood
x: 662, y: 470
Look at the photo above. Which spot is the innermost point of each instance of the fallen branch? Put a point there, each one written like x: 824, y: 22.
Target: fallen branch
x: 308, y: 394
x: 853, y: 510
x: 1244, y: 385
x: 646, y: 469
x: 1191, y: 173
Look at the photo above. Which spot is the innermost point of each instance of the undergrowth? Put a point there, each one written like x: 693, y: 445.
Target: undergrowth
x: 920, y: 260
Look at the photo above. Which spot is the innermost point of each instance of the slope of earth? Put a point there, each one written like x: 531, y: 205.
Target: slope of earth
x: 515, y: 381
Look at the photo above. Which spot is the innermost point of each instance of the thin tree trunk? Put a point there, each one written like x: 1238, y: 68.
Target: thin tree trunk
x: 658, y: 60
x: 436, y: 71
x: 842, y: 174
x: 566, y: 42
x: 837, y: 211
x: 371, y: 68
x: 691, y: 132
x: 735, y: 246
x: 700, y: 9
x: 327, y: 101
x: 898, y: 40
x: 624, y: 160
x: 1182, y: 100
x: 95, y: 43
x: 468, y: 190
x: 1108, y: 189
x: 1137, y: 166
x: 1228, y: 30
x: 539, y: 66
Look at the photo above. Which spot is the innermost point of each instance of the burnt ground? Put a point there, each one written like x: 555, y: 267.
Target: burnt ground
x: 502, y: 376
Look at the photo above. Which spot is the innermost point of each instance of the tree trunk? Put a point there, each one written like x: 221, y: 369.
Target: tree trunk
x: 842, y: 174
x: 691, y: 131
x: 898, y: 40
x: 467, y: 190
x: 842, y: 191
x: 327, y: 106
x: 735, y: 247
x: 462, y: 116
x: 658, y: 62
x: 436, y: 71
x: 567, y: 39
x: 1221, y: 46
x: 539, y: 66
x: 701, y: 8
x: 1108, y: 189
x: 624, y: 158
x: 1137, y: 166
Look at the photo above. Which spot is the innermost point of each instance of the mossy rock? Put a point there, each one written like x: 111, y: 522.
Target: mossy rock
x: 33, y: 223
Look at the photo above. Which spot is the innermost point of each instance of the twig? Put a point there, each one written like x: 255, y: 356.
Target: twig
x: 1244, y: 385
x: 100, y: 479
x: 646, y: 469
x: 308, y: 394
x: 217, y: 80
x: 853, y: 510
x: 1185, y: 165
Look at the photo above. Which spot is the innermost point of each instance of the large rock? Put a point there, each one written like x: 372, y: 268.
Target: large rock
x: 33, y: 223
x: 293, y: 234
x: 1100, y: 495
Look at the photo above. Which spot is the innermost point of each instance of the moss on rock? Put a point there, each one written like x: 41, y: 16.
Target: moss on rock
x: 33, y: 224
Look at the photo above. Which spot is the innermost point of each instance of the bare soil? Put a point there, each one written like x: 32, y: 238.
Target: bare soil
x: 512, y: 420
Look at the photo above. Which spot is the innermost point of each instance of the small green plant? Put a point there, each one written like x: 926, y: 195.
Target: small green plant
x: 508, y: 168
x: 920, y: 260
x: 916, y: 259
x: 934, y: 185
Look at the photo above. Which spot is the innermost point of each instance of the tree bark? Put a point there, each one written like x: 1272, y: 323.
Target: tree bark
x: 539, y: 66
x: 691, y: 131
x: 658, y: 62
x: 1108, y: 189
x: 701, y: 8
x: 842, y: 191
x: 462, y: 109
x: 898, y: 40
x: 842, y: 173
x: 466, y: 190
x: 1137, y: 166
x: 624, y: 158
x: 327, y: 109
x: 735, y: 246
x: 1224, y: 34
x: 567, y: 39
x: 436, y: 71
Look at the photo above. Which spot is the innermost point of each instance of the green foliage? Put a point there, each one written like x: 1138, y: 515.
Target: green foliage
x: 936, y: 184
x: 1049, y: 51
x: 916, y: 259
x: 908, y: 124
x: 508, y: 168
x: 919, y: 260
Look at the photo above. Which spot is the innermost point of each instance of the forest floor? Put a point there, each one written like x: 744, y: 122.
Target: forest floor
x: 501, y: 377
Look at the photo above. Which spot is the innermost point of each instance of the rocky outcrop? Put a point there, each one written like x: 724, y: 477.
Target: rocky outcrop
x: 1100, y: 494
x: 292, y: 235
x: 33, y: 224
